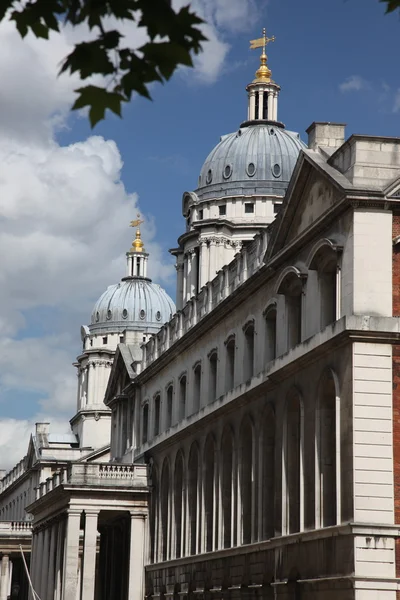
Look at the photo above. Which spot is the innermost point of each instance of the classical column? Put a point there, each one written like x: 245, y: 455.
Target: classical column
x: 261, y: 104
x: 270, y: 106
x: 89, y: 555
x: 36, y: 573
x: 70, y: 579
x: 203, y: 262
x: 212, y: 252
x: 193, y: 273
x: 90, y: 382
x: 252, y: 105
x: 52, y: 561
x: 59, y: 560
x: 275, y: 118
x: 44, y: 563
x: 136, y: 556
x: 179, y: 285
x: 4, y: 577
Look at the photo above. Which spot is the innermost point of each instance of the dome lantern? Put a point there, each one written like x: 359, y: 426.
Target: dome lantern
x: 263, y: 91
x: 137, y: 256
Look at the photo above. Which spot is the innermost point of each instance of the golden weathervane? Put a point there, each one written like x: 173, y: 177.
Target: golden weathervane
x: 137, y: 244
x: 263, y: 74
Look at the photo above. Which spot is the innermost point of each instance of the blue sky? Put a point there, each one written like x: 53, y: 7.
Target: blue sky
x: 67, y: 197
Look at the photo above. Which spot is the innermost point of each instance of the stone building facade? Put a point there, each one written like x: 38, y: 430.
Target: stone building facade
x: 254, y: 438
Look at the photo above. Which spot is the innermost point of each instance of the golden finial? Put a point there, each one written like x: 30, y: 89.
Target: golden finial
x: 137, y: 244
x: 263, y: 73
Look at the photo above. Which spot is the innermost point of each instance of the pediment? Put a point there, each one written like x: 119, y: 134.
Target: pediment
x: 393, y: 189
x: 311, y: 194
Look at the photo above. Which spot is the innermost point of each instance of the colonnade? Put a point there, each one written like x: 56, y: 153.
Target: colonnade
x: 64, y: 558
x: 258, y: 95
x: 248, y: 482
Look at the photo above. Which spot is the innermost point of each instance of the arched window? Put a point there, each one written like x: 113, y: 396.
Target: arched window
x: 326, y: 450
x: 270, y: 334
x: 268, y: 474
x: 170, y: 399
x: 291, y: 286
x: 164, y: 512
x: 145, y: 423
x: 325, y: 261
x: 227, y: 487
x: 213, y: 373
x: 293, y: 465
x: 246, y: 479
x: 178, y: 504
x: 182, y: 397
x: 157, y: 414
x: 209, y: 487
x: 193, y: 492
x: 249, y: 337
x: 196, y: 387
x: 230, y: 346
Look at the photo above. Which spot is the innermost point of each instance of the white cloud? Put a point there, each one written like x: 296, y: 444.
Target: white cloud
x: 396, y: 103
x: 355, y: 83
x: 61, y: 213
x: 15, y: 434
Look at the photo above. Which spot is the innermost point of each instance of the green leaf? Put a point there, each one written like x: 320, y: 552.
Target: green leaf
x: 98, y: 99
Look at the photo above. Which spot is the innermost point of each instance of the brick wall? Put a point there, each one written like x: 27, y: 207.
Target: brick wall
x: 396, y: 389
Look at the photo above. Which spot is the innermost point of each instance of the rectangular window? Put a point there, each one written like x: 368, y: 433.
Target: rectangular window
x: 222, y: 210
x: 105, y: 339
x: 200, y: 215
x: 276, y: 208
x: 121, y: 339
x: 249, y: 207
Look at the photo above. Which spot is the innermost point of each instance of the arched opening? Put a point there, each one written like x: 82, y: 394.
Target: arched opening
x: 292, y: 492
x: 326, y: 449
x: 291, y: 287
x: 196, y: 388
x: 164, y: 512
x: 246, y: 479
x: 182, y: 397
x: 268, y: 473
x: 170, y: 399
x: 145, y: 423
x: 209, y: 487
x: 213, y: 373
x: 230, y: 346
x: 325, y: 262
x: 227, y: 487
x: 249, y: 338
x: 193, y: 490
x: 270, y: 334
x: 157, y: 414
x: 178, y: 505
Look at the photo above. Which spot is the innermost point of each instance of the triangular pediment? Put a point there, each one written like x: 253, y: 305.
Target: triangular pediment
x: 122, y: 370
x: 314, y: 191
x: 393, y: 189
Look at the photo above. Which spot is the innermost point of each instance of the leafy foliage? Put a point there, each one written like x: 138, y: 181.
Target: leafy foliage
x: 391, y: 5
x: 174, y: 36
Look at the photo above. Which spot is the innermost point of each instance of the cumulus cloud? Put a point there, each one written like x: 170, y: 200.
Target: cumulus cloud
x: 355, y: 83
x: 61, y: 213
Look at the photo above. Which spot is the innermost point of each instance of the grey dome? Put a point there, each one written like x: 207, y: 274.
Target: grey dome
x: 134, y: 303
x: 257, y: 159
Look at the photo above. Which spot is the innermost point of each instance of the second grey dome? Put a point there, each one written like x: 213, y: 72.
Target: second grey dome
x: 258, y: 159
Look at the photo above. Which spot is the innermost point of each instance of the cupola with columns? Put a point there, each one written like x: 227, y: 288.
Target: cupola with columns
x: 262, y: 91
x: 129, y: 312
x: 240, y: 188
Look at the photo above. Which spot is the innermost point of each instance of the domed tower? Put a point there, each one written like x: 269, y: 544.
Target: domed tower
x: 128, y: 312
x: 241, y: 186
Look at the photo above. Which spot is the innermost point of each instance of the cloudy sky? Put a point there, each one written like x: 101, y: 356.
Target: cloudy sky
x: 67, y: 193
